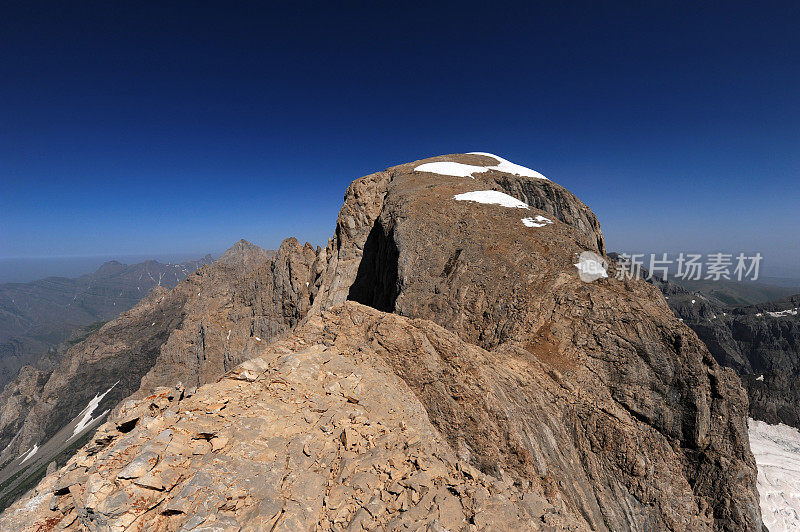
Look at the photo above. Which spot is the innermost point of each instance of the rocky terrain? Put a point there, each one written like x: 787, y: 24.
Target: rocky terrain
x: 761, y: 342
x: 438, y: 365
x: 36, y: 317
x: 38, y: 404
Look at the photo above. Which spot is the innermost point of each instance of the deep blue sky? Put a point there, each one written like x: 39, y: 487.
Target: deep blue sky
x: 180, y: 129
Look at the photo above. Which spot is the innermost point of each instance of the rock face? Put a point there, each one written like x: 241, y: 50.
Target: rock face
x: 760, y: 342
x: 165, y: 325
x: 307, y: 435
x: 438, y: 364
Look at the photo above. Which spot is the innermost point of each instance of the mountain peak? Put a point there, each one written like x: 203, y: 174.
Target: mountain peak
x: 462, y: 278
x: 246, y: 255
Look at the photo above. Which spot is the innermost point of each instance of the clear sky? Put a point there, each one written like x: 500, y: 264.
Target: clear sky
x: 135, y: 128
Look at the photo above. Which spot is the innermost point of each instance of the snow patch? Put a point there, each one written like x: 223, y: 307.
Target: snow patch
x: 509, y: 167
x: 466, y: 170
x: 787, y: 312
x: 87, y: 412
x: 536, y: 221
x: 777, y: 452
x: 492, y: 197
x: 29, y: 454
x: 450, y: 168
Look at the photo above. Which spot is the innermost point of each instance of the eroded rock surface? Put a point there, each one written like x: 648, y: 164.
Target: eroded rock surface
x: 591, y: 401
x: 760, y: 342
x: 307, y: 436
x: 168, y: 329
x: 37, y: 316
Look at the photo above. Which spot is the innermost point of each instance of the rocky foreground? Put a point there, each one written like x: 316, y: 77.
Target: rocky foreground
x: 439, y: 365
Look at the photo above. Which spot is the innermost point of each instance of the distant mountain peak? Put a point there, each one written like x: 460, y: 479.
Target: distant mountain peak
x: 245, y: 254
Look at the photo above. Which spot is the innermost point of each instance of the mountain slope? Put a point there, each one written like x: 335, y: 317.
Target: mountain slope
x: 35, y: 317
x: 738, y: 293
x: 36, y: 407
x: 581, y: 405
x: 761, y: 342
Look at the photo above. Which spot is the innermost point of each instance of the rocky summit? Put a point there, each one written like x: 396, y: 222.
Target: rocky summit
x: 439, y: 365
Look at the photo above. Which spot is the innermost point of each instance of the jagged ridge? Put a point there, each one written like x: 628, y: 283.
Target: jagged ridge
x: 592, y: 397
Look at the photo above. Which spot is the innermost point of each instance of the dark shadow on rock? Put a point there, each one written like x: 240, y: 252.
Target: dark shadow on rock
x: 376, y: 280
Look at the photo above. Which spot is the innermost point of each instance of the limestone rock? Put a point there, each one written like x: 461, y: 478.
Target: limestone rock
x: 439, y: 365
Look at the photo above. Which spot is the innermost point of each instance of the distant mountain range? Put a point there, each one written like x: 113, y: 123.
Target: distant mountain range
x: 36, y: 317
x: 737, y: 293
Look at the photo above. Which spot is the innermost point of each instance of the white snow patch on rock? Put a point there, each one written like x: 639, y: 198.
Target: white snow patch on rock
x: 777, y: 452
x: 509, y: 167
x: 492, y: 197
x: 87, y: 412
x: 536, y: 221
x: 30, y: 454
x: 450, y: 168
x: 787, y: 312
x: 466, y: 170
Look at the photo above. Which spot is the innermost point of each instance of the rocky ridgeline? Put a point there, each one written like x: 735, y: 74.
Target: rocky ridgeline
x: 439, y: 365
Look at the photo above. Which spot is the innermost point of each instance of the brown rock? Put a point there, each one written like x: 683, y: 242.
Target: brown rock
x: 470, y: 366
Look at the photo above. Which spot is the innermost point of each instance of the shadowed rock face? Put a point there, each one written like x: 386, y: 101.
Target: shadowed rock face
x: 760, y: 342
x: 580, y: 406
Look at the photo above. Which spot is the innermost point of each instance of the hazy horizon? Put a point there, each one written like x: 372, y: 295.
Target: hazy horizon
x: 26, y: 269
